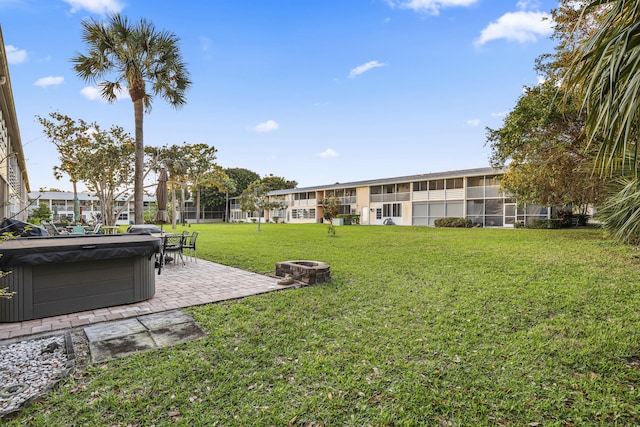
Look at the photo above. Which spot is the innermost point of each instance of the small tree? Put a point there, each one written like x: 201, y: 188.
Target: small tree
x: 41, y: 213
x: 102, y: 160
x: 256, y: 198
x: 330, y: 209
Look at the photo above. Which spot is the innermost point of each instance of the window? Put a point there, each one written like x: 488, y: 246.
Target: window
x: 392, y: 209
x: 403, y: 188
x: 377, y: 189
x: 420, y: 186
x: 303, y: 213
x: 389, y: 189
x: 378, y: 213
x: 438, y: 184
x: 454, y: 183
x: 475, y: 181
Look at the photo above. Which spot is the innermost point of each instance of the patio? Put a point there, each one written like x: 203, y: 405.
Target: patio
x: 177, y: 287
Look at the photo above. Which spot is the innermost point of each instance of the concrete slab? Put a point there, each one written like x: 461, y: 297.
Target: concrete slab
x: 125, y: 337
x: 163, y: 319
x: 176, y: 334
x: 102, y: 351
x: 119, y: 328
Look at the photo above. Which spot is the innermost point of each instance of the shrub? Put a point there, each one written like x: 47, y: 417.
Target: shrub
x: 539, y: 223
x: 453, y: 222
x: 565, y: 216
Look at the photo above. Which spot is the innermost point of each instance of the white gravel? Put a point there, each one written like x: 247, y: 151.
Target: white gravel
x: 29, y: 368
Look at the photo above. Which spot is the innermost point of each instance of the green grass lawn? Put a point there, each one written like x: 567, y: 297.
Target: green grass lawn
x: 419, y: 326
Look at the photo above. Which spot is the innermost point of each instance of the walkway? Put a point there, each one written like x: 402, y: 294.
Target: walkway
x: 197, y: 283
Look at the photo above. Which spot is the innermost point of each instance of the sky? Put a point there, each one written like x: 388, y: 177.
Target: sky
x: 316, y: 91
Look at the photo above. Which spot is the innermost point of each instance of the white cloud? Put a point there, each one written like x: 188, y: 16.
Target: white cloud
x: 517, y: 26
x: 205, y: 43
x: 430, y: 6
x: 473, y: 122
x: 92, y: 93
x: 528, y: 4
x: 102, y: 7
x: 500, y: 114
x: 49, y: 81
x: 15, y: 55
x: 328, y: 153
x: 268, y: 126
x: 364, y: 68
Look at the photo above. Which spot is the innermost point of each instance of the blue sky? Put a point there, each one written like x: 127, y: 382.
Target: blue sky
x: 317, y: 91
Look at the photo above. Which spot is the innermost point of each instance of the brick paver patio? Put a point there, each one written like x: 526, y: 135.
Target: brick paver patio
x: 196, y: 283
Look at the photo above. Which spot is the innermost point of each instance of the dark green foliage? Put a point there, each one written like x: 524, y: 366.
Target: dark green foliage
x: 41, y: 213
x: 453, y: 222
x: 538, y: 223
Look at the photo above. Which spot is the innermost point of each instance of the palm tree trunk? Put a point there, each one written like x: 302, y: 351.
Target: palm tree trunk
x: 138, y: 188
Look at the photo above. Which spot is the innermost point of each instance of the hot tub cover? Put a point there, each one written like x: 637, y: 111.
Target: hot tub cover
x: 21, y: 228
x: 143, y: 228
x: 47, y: 250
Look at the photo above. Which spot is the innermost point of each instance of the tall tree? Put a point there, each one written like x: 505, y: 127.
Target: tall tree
x: 242, y: 178
x: 542, y: 139
x: 202, y: 170
x: 99, y: 159
x: 542, y: 142
x: 605, y: 73
x: 146, y: 62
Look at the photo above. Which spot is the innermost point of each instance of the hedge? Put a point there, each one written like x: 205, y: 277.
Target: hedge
x: 453, y: 222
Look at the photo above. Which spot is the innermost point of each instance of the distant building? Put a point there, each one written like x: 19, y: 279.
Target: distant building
x: 406, y: 200
x: 61, y: 204
x: 14, y: 182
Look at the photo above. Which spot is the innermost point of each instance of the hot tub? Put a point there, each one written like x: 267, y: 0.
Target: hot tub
x: 67, y: 274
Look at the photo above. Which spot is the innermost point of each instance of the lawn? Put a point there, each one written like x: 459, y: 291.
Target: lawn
x: 419, y: 326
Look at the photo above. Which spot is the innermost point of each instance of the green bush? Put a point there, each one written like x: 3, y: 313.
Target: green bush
x: 350, y: 219
x: 546, y: 223
x: 453, y: 222
x: 565, y: 216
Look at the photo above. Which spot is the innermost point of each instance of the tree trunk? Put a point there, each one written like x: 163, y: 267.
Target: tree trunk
x: 198, y: 205
x: 138, y: 188
x: 183, y: 216
x: 226, y: 208
x: 173, y: 207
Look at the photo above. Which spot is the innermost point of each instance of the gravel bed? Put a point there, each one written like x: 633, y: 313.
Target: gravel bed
x: 31, y: 367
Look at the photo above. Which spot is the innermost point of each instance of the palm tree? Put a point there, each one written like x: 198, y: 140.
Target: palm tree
x: 606, y: 75
x: 141, y: 59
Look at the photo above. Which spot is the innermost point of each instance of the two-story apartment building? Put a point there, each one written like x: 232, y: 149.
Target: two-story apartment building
x: 14, y: 182
x: 408, y: 200
x: 61, y: 204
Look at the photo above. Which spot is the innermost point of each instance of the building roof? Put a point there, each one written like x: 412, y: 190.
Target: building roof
x: 400, y: 179
x: 83, y: 196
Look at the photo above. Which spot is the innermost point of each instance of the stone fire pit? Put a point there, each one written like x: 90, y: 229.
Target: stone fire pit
x: 309, y: 272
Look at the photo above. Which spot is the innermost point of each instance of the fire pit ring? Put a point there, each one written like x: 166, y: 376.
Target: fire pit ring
x: 309, y: 272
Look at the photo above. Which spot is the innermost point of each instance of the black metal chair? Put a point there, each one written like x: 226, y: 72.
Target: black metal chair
x: 173, y: 244
x: 190, y: 245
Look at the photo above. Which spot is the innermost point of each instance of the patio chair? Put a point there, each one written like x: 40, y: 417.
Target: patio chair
x: 173, y: 244
x: 96, y: 229
x: 52, y: 229
x: 190, y: 245
x: 78, y: 229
